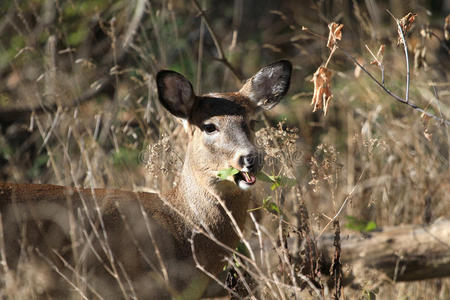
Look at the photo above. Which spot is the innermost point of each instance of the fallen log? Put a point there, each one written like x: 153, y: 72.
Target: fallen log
x: 403, y: 253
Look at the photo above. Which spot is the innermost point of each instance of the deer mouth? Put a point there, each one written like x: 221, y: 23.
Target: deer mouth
x: 245, y: 179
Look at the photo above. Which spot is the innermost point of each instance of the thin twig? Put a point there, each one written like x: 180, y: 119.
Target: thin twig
x: 330, y: 56
x: 314, y: 33
x: 373, y: 55
x: 134, y: 23
x: 303, y: 277
x: 77, y: 275
x: 14, y: 113
x: 405, y: 48
x: 230, y: 262
x: 396, y: 97
x: 153, y: 241
x: 258, y: 233
x: 381, y: 85
x: 443, y: 44
x: 3, y: 262
x: 63, y: 276
x: 220, y: 53
x: 437, y: 99
x: 103, y: 84
x: 202, y: 268
x: 198, y: 85
x: 379, y: 63
x: 344, y: 204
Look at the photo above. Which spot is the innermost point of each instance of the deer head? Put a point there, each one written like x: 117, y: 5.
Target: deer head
x: 219, y: 124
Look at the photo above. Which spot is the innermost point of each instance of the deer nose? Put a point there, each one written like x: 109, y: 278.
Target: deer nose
x: 249, y: 161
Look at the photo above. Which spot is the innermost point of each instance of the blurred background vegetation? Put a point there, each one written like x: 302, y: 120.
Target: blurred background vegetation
x: 78, y: 102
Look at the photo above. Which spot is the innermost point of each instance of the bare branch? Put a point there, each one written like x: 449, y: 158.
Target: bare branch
x: 220, y: 53
x: 344, y: 204
x: 389, y: 92
x: 405, y: 48
x: 381, y: 85
x: 201, y: 268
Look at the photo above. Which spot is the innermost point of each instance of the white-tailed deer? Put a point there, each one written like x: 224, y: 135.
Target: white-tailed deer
x: 108, y: 232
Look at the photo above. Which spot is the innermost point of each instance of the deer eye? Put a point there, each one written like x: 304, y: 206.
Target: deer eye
x: 209, y: 128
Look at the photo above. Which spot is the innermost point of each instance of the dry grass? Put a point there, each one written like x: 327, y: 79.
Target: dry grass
x: 395, y: 163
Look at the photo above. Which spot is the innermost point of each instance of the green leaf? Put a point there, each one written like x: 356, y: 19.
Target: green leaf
x: 277, y: 181
x: 75, y: 38
x: 225, y: 173
x: 266, y: 201
x: 38, y: 164
x: 125, y: 157
x: 263, y: 177
x: 282, y: 181
x: 356, y: 224
x: 270, y: 206
x: 289, y: 182
x: 274, y: 186
x: 273, y: 208
x: 242, y: 248
x: 370, y: 226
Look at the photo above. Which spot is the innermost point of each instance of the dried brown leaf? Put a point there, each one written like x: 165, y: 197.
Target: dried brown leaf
x: 322, y: 91
x: 426, y: 121
x: 447, y: 28
x: 335, y: 34
x: 358, y: 69
x: 405, y: 24
x: 406, y: 21
x: 428, y: 135
x: 425, y: 32
x: 425, y: 118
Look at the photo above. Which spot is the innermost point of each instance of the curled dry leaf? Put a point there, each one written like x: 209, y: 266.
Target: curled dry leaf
x: 405, y: 23
x: 428, y: 135
x: 426, y: 132
x: 322, y: 91
x: 335, y: 34
x: 425, y: 118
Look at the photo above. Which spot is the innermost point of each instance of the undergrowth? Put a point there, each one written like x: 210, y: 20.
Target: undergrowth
x: 78, y: 107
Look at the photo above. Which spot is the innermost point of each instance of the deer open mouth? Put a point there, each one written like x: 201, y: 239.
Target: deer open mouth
x: 245, y: 179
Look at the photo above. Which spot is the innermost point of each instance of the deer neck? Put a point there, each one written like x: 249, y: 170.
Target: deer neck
x: 203, y: 198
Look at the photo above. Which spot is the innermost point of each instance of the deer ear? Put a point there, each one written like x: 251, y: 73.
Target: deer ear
x: 175, y: 93
x: 266, y: 88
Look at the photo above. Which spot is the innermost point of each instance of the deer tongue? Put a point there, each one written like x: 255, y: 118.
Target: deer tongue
x: 248, y: 177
